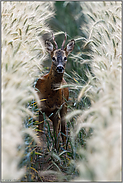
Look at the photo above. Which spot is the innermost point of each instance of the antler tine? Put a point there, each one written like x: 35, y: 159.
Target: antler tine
x: 62, y: 47
x: 54, y: 41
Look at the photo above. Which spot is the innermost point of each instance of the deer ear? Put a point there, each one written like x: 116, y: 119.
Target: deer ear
x: 70, y: 46
x: 49, y: 46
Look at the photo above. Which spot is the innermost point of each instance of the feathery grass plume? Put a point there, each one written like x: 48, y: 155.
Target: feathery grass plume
x: 22, y: 51
x: 102, y: 158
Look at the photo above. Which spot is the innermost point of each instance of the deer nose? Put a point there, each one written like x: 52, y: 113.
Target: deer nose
x: 60, y: 69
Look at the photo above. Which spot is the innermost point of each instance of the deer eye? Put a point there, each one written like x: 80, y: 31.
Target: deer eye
x: 65, y: 59
x: 53, y: 59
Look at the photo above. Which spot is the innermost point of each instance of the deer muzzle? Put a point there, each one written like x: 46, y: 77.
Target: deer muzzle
x: 60, y: 68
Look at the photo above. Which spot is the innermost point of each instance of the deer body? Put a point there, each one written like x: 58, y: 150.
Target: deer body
x: 53, y: 100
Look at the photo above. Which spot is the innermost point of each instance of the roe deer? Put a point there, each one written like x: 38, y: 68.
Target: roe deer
x: 48, y: 89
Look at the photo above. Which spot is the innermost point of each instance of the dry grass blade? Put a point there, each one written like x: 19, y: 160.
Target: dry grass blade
x: 103, y: 152
x: 21, y: 24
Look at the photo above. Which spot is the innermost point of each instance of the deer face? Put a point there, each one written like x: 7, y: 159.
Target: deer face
x: 59, y: 56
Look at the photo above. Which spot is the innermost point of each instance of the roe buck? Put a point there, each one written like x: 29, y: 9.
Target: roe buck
x: 52, y: 99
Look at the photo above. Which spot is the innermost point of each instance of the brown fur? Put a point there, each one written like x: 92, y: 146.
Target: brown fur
x: 52, y: 99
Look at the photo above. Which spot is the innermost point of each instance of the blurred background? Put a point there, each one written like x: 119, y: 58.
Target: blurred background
x: 70, y: 18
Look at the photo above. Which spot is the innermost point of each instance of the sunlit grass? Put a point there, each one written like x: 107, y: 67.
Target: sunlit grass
x: 94, y: 131
x: 23, y: 23
x: 103, y: 154
x: 93, y: 148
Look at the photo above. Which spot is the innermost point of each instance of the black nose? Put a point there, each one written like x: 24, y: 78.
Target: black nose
x: 60, y: 69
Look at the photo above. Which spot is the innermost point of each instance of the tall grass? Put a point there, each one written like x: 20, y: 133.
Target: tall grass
x: 23, y: 24
x: 94, y: 144
x: 101, y: 160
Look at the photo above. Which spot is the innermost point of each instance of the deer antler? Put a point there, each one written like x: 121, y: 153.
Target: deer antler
x: 62, y: 47
x: 54, y: 41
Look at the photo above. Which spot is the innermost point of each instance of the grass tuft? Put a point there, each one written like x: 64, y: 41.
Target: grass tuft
x: 22, y: 23
x: 102, y: 160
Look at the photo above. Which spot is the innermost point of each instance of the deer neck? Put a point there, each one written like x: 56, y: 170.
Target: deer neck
x: 55, y: 78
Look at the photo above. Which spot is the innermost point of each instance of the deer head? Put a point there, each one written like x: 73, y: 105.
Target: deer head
x: 59, y: 56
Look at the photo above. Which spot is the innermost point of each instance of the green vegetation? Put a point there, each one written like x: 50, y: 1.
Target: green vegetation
x: 93, y: 74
